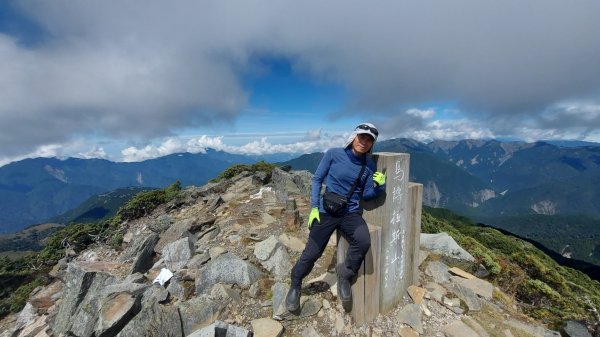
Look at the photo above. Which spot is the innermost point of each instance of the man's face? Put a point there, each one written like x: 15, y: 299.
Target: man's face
x: 362, y: 143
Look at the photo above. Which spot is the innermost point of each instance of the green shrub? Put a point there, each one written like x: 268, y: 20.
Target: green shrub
x: 236, y: 169
x: 537, y: 293
x: 483, y: 255
x: 537, y: 269
x: 145, y: 202
x: 18, y: 299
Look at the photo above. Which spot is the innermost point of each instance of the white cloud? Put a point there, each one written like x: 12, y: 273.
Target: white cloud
x: 133, y: 73
x: 424, y: 114
x: 258, y: 147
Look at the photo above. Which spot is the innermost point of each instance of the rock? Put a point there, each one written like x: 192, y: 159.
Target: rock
x: 198, y: 260
x: 310, y: 307
x: 438, y: 271
x: 444, y: 244
x: 226, y: 268
x: 34, y: 328
x: 408, y: 332
x: 26, y: 316
x: 575, y: 329
x: 180, y: 288
x: 117, y: 309
x: 339, y: 324
x: 480, y: 287
x: 279, y: 291
x: 80, y: 304
x: 153, y: 320
x: 181, y: 229
x: 266, y: 327
x: 216, y: 251
x: 198, y: 312
x: 292, y: 219
x: 476, y: 326
x: 224, y: 293
x: 459, y: 329
x: 459, y: 272
x: 423, y: 255
x: 267, y: 219
x: 416, y: 294
x: 143, y: 259
x: 161, y: 224
x: 274, y: 257
x: 46, y: 297
x: 467, y: 295
x: 290, y: 184
x: 411, y: 315
x: 177, y: 254
x: 310, y: 331
x: 292, y: 242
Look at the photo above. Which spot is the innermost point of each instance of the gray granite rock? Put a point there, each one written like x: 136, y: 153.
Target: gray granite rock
x: 444, y: 244
x: 177, y: 254
x: 459, y: 329
x: 198, y: 312
x: 153, y: 320
x: 80, y: 304
x: 266, y: 327
x: 279, y: 291
x: 466, y: 295
x: 438, y: 271
x: 274, y: 257
x: 575, y: 329
x: 411, y: 314
x: 226, y: 268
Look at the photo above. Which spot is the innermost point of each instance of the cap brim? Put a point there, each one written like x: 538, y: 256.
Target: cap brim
x: 366, y: 132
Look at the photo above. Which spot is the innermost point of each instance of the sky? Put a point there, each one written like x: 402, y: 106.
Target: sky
x: 128, y: 80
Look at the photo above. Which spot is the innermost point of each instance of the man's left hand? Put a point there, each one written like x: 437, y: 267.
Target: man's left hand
x: 379, y: 178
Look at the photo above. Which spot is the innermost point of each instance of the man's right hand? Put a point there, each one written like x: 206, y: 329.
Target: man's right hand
x: 314, y: 215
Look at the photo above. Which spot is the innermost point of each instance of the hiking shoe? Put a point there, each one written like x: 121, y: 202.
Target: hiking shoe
x: 292, y: 300
x: 344, y: 289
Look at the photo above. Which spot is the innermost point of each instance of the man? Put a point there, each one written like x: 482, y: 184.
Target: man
x: 349, y: 175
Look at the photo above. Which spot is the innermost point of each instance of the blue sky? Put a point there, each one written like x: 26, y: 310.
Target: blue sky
x: 116, y: 80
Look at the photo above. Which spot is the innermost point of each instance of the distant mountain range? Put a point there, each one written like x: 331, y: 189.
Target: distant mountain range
x: 477, y: 178
x: 547, y: 192
x: 35, y: 190
x: 492, y: 178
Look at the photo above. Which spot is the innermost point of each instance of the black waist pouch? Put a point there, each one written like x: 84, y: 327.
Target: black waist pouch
x: 333, y: 203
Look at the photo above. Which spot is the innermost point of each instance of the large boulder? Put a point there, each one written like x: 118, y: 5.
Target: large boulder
x: 198, y: 312
x: 444, y: 244
x: 81, y: 300
x: 226, y: 268
x: 177, y: 254
x: 288, y: 184
x: 154, y: 319
x: 274, y: 257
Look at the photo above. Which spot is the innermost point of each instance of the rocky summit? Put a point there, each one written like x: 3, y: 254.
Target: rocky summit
x: 216, y: 262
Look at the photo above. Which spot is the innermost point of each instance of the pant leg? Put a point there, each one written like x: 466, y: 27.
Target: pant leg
x: 356, y: 231
x: 317, y: 241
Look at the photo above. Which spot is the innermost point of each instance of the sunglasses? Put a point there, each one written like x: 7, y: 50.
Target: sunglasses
x: 368, y: 128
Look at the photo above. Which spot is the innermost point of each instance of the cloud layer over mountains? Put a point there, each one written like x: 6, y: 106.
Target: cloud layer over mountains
x: 131, y: 70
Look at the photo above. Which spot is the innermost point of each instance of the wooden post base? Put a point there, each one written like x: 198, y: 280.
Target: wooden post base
x: 365, y: 290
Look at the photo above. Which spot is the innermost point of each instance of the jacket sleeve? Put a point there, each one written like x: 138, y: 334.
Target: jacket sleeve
x: 370, y: 190
x: 318, y: 178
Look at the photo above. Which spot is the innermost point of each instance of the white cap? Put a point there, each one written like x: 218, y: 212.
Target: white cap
x: 363, y: 128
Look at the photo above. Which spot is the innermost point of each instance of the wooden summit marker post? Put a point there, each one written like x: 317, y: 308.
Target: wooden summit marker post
x: 394, y: 219
x: 389, y: 211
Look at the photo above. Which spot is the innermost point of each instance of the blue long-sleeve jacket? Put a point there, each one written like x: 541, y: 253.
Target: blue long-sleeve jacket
x: 339, y: 169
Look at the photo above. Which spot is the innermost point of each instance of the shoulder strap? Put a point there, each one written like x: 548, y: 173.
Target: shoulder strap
x: 362, y: 169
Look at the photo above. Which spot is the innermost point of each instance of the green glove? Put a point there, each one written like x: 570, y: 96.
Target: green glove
x: 379, y: 178
x: 314, y: 215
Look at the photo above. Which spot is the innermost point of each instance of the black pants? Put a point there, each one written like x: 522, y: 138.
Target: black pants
x: 353, y: 226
